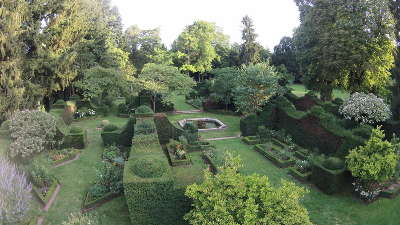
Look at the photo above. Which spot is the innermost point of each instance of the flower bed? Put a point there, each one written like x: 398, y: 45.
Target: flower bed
x: 175, y: 161
x: 59, y: 156
x: 274, y: 155
x: 44, y: 193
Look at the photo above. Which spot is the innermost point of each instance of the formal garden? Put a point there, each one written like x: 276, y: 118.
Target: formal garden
x: 101, y: 126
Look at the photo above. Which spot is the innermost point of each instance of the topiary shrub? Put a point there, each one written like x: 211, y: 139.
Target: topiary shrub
x: 15, y: 194
x: 76, y: 130
x: 334, y: 163
x: 144, y: 110
x: 149, y: 190
x: 110, y: 128
x: 32, y: 131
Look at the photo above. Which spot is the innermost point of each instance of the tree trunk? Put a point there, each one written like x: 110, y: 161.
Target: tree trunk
x: 326, y: 94
x: 154, y: 104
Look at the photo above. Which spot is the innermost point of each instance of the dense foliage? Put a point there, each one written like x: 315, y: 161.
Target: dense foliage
x: 232, y: 198
x: 256, y: 84
x: 375, y: 161
x: 15, y: 194
x: 31, y: 132
x: 345, y: 43
x: 365, y: 108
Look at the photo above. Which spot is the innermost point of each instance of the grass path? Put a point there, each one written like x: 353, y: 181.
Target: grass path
x: 324, y: 209
x: 300, y: 90
x: 180, y: 104
x: 77, y: 176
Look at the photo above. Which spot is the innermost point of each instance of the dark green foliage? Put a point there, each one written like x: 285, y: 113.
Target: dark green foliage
x: 264, y: 135
x: 149, y: 193
x: 333, y: 163
x: 39, y: 175
x: 127, y: 133
x: 110, y: 128
x: 249, y: 125
x: 123, y: 109
x: 338, y: 101
x: 145, y: 127
x: 191, y: 133
x: 329, y: 181
x: 132, y: 102
x: 59, y: 104
x: 111, y: 138
x: 166, y: 130
x: 143, y: 109
x: 76, y: 138
x: 76, y: 130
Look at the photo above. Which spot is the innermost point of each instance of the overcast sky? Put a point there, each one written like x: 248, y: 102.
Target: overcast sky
x: 273, y: 19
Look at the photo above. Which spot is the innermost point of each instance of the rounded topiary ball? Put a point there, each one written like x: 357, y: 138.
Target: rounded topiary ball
x: 75, y: 130
x: 149, y: 167
x: 334, y: 163
x: 110, y: 128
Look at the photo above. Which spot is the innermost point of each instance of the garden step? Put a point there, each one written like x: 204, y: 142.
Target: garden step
x: 222, y: 138
x: 188, y: 111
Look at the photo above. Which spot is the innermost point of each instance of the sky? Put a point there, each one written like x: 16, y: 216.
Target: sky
x: 273, y: 19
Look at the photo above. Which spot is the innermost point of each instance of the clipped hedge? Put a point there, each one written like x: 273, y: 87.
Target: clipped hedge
x: 166, y: 130
x: 177, y: 162
x: 303, y: 177
x: 251, y: 140
x: 122, y: 136
x: 76, y: 140
x: 149, y: 195
x: 49, y: 193
x: 329, y: 181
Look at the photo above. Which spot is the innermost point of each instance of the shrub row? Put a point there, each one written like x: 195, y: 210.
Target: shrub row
x: 267, y: 154
x: 76, y: 139
x: 122, y: 136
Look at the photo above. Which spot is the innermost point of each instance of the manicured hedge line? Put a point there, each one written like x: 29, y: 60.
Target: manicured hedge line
x: 90, y: 204
x: 251, y: 140
x: 210, y: 163
x: 166, y: 130
x: 76, y: 140
x: 122, y: 136
x: 329, y: 181
x: 124, y: 115
x: 249, y: 125
x: 278, y: 162
x: 303, y: 177
x: 50, y: 191
x: 199, y: 146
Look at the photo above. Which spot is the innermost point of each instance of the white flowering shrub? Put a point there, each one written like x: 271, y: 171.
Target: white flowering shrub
x: 32, y: 131
x: 15, y: 194
x: 365, y: 108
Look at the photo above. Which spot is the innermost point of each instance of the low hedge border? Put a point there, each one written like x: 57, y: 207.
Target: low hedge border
x: 279, y: 143
x: 302, y: 177
x: 328, y: 181
x: 123, y: 115
x: 177, y: 162
x: 144, y: 115
x: 199, y: 147
x: 194, y: 106
x: 251, y: 140
x: 78, y: 140
x: 90, y: 205
x: 301, y: 155
x: 71, y: 157
x: 278, y: 162
x: 44, y: 199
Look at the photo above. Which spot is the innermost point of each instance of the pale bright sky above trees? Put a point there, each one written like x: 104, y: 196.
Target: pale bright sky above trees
x: 273, y: 19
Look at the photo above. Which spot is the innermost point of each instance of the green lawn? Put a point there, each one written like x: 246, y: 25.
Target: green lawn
x: 233, y: 123
x: 180, y: 104
x: 300, y: 90
x: 324, y: 209
x: 79, y: 175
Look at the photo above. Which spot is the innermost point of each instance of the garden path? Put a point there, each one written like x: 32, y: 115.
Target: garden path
x: 188, y: 111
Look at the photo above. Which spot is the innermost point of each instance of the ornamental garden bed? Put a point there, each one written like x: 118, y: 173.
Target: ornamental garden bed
x: 274, y: 155
x: 44, y: 193
x: 177, y: 153
x: 301, y: 176
x: 58, y: 157
x: 199, y: 146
